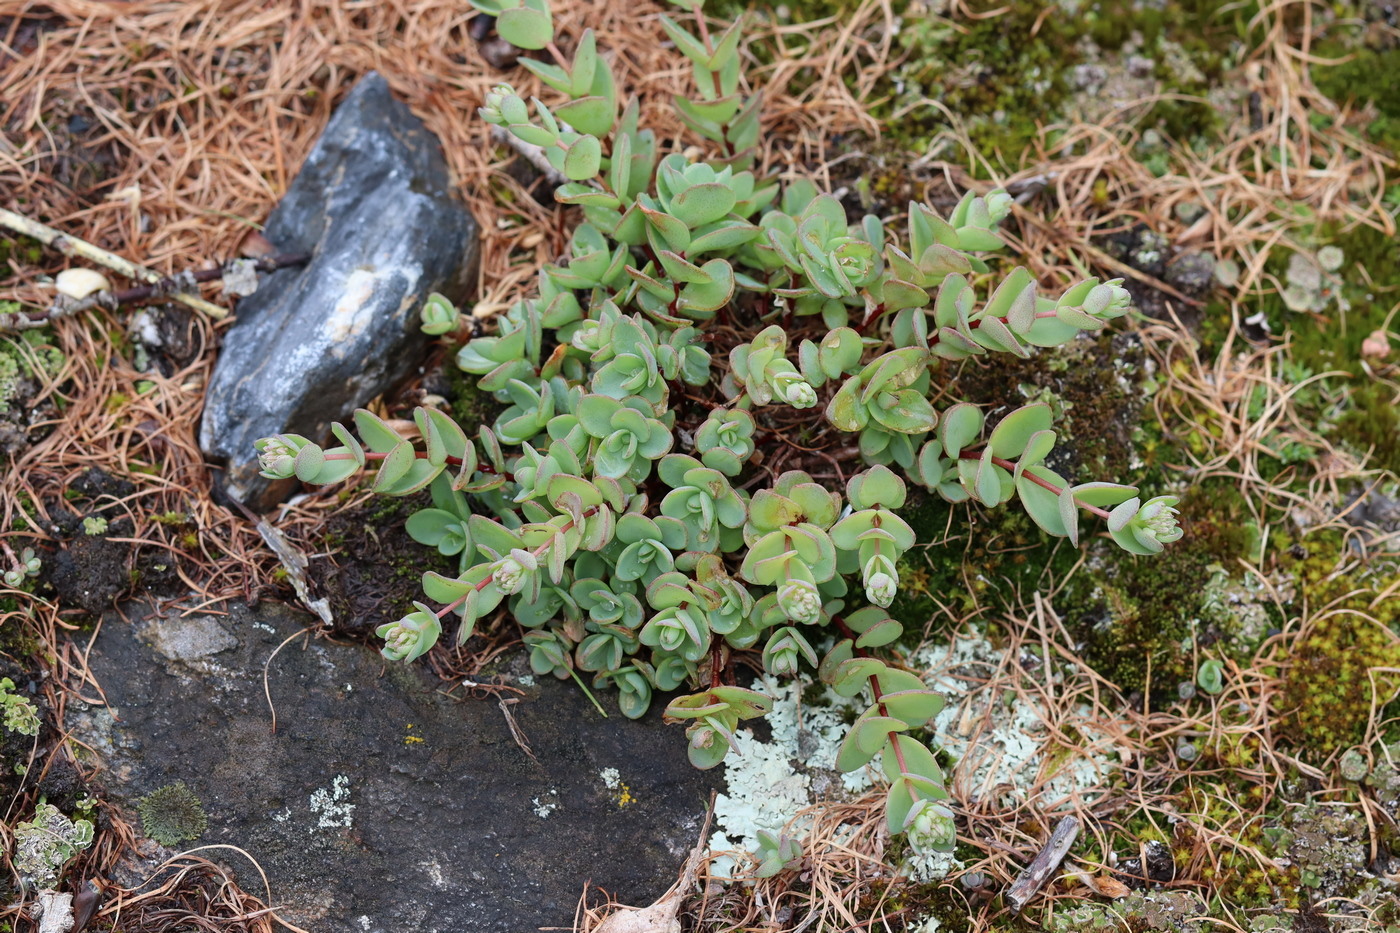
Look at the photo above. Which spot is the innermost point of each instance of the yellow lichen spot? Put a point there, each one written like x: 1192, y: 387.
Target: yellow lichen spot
x: 624, y: 796
x: 412, y: 739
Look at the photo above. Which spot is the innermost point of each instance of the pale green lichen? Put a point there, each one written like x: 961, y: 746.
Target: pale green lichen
x: 23, y: 358
x: 20, y: 714
x: 1177, y: 911
x: 44, y: 845
x: 996, y: 748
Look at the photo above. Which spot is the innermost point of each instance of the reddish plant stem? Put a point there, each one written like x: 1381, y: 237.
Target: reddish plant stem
x: 491, y: 577
x: 419, y: 455
x: 704, y: 30
x: 879, y: 695
x: 1039, y: 481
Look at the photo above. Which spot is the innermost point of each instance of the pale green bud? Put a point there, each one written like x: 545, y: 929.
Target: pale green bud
x: 880, y: 589
x: 277, y: 455
x: 999, y: 205
x: 410, y: 637
x: 512, y: 571
x: 800, y: 601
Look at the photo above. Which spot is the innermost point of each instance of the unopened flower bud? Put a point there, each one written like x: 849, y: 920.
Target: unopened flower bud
x: 512, y: 571
x: 277, y: 455
x: 880, y: 589
x: 931, y: 827
x: 800, y: 601
x: 999, y: 205
x: 410, y: 637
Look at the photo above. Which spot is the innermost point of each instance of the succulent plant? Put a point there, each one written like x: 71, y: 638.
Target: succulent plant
x: 620, y: 507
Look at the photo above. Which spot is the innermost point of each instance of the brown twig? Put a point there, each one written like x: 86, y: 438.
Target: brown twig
x: 171, y: 286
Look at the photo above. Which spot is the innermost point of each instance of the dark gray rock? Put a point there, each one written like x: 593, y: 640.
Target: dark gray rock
x: 380, y: 804
x: 374, y: 207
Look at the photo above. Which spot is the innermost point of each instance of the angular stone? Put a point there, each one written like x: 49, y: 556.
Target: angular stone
x: 380, y: 804
x: 373, y: 206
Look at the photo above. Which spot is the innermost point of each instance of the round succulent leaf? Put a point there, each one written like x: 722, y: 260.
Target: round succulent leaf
x: 1042, y: 505
x: 592, y: 115
x: 1049, y: 332
x: 713, y: 294
x: 846, y: 533
x: 899, y: 802
x: 1069, y: 515
x: 333, y: 471
x: 377, y: 434
x: 1103, y: 494
x: 871, y: 732
x: 914, y: 707
x: 994, y: 335
x: 893, y: 680
x: 394, y: 467
x: 702, y: 204
x: 1014, y: 300
x: 882, y: 633
x: 744, y: 703
x: 352, y: 445
x: 432, y: 526
x: 853, y: 675
x: 1127, y: 538
x: 726, y: 235
x: 986, y: 483
x: 445, y: 590
x: 634, y: 701
x: 960, y: 425
x: 672, y: 230
x: 929, y: 467
x: 906, y: 411
x: 845, y: 410
x: 1013, y: 433
x: 918, y: 761
x: 525, y: 28
x: 1038, y: 447
x: 583, y: 159
x: 706, y: 747
x: 829, y: 669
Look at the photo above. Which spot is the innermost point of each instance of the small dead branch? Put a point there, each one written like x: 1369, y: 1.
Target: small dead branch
x: 1044, y: 864
x: 70, y: 245
x: 235, y: 270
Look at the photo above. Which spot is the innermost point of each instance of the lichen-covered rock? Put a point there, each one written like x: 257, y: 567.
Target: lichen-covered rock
x: 378, y: 803
x: 373, y: 206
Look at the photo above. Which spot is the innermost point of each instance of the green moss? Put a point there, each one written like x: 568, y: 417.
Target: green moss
x: 172, y: 814
x: 1140, y: 620
x: 1364, y: 77
x: 1336, y: 665
x: 471, y: 406
x: 1005, y: 77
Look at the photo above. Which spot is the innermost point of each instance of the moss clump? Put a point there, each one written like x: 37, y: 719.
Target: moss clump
x: 1364, y: 76
x: 172, y: 814
x: 471, y: 406
x: 1332, y: 678
x: 1141, y: 619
